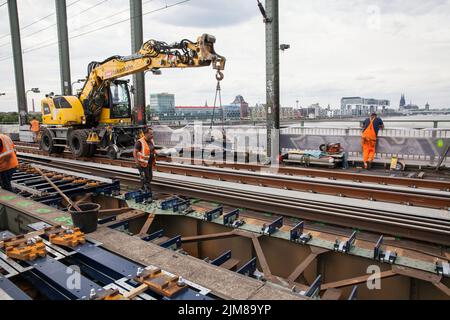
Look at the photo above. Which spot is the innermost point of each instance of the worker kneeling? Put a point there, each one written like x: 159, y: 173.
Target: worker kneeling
x: 8, y: 161
x: 371, y: 127
x: 145, y: 158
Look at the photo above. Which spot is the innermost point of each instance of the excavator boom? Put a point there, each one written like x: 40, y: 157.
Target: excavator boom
x: 153, y: 55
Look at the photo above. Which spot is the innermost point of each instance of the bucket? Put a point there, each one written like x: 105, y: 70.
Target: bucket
x: 87, y: 218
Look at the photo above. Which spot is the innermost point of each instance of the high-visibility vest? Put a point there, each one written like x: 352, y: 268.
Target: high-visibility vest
x: 144, y: 155
x: 8, y: 149
x: 369, y: 134
x: 34, y: 126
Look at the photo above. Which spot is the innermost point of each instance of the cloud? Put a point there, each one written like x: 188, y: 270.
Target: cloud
x: 207, y: 13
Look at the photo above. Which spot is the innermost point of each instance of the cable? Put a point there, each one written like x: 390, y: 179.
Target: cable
x: 39, y: 20
x: 55, y: 24
x: 28, y: 50
x: 1, y: 5
x: 78, y: 14
x: 108, y: 17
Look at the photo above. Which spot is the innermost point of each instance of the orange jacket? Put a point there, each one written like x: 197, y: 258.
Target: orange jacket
x: 8, y: 158
x: 34, y: 124
x: 369, y: 134
x: 144, y: 155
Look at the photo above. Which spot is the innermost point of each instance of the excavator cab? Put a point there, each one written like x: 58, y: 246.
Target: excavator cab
x: 117, y: 105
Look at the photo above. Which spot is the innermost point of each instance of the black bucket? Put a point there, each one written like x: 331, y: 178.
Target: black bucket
x: 87, y: 218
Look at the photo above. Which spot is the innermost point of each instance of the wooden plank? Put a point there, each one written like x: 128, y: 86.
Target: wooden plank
x: 230, y: 264
x: 147, y: 224
x: 315, y: 251
x: 417, y: 274
x: 158, y: 241
x: 136, y: 291
x: 356, y: 280
x: 301, y: 267
x: 262, y: 258
x: 207, y: 237
x: 442, y: 287
x: 332, y: 294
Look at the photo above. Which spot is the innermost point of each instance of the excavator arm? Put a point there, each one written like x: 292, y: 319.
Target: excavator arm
x: 153, y: 55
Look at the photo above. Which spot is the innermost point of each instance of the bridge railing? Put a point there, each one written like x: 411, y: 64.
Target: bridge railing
x: 426, y: 146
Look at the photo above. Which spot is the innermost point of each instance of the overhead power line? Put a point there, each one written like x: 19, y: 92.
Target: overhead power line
x: 39, y: 20
x: 97, y: 29
x: 72, y: 17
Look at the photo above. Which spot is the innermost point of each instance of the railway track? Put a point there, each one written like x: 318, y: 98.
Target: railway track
x: 433, y: 228
x: 413, y: 192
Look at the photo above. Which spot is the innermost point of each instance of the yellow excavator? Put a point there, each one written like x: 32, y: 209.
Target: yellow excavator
x: 100, y: 117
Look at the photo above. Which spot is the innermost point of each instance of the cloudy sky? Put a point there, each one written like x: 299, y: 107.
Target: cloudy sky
x: 378, y: 48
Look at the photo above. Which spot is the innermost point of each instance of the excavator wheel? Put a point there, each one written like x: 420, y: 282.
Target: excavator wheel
x: 47, y: 143
x: 78, y: 145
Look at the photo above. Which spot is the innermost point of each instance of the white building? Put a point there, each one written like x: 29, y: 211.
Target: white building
x: 357, y: 106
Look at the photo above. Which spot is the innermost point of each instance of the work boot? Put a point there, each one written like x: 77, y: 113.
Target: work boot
x: 366, y: 166
x: 369, y: 166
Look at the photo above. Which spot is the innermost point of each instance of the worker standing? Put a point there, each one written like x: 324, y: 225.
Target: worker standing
x: 35, y: 128
x: 8, y: 161
x: 145, y: 157
x: 371, y: 126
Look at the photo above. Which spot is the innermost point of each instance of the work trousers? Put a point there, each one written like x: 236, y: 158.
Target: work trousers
x: 146, y: 177
x: 5, y: 179
x: 368, y: 147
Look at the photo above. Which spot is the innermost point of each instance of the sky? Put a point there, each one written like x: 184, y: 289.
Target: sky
x: 375, y: 49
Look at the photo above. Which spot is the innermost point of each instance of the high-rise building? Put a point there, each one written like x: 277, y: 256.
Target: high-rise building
x: 162, y: 104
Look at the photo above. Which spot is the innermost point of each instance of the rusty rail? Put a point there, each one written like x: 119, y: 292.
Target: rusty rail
x: 285, y: 179
x: 433, y: 230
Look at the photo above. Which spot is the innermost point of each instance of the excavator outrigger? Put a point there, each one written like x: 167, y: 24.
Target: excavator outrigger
x: 100, y: 117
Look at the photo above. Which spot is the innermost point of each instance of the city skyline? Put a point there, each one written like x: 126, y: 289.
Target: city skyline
x: 337, y: 49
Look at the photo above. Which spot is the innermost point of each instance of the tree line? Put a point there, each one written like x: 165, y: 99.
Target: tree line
x: 13, y: 117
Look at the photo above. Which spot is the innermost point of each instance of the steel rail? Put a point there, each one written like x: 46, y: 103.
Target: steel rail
x: 282, y: 170
x: 432, y: 230
x: 413, y: 196
x: 337, y: 206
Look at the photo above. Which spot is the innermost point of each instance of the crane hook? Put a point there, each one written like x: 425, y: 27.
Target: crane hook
x: 219, y: 76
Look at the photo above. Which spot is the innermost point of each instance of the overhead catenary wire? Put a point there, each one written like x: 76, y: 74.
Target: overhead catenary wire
x: 55, y: 24
x: 83, y: 26
x: 39, y: 20
x: 97, y: 29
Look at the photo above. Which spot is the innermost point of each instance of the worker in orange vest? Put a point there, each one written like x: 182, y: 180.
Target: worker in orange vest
x: 35, y: 128
x: 145, y: 158
x: 8, y: 161
x: 371, y: 126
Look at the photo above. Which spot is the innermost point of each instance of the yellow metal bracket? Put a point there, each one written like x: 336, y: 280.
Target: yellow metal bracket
x: 23, y: 249
x: 65, y: 237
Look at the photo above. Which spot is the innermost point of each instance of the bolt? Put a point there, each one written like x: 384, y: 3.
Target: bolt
x: 139, y: 271
x: 181, y: 282
x: 92, y: 294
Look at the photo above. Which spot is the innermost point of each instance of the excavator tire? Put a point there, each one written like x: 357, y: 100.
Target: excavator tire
x: 78, y: 145
x: 47, y: 143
